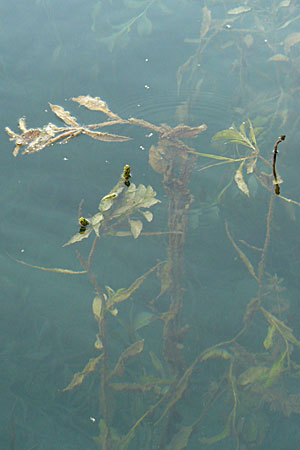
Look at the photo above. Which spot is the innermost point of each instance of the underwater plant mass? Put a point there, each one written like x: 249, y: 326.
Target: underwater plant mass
x: 187, y: 353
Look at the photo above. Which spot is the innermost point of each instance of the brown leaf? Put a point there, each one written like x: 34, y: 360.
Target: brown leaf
x: 79, y: 376
x: 183, y: 131
x: 241, y: 254
x: 131, y: 351
x: 64, y: 115
x: 157, y: 160
x: 107, y: 137
x: 95, y: 104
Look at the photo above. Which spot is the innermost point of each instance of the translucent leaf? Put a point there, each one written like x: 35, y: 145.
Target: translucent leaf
x: 157, y: 160
x: 144, y: 26
x: 239, y: 179
x: 218, y: 437
x: 291, y: 40
x: 136, y: 227
x: 142, y: 320
x: 181, y: 439
x: 276, y: 370
x: 239, y: 10
x: 268, y: 342
x: 157, y: 364
x: 253, y: 375
x: 206, y: 21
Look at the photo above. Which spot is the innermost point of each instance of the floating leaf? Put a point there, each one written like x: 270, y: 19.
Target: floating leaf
x: 239, y: 179
x: 106, y: 137
x: 95, y: 104
x: 64, y: 115
x: 79, y: 376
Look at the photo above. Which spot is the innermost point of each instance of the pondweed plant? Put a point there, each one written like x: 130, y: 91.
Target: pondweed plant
x: 154, y: 393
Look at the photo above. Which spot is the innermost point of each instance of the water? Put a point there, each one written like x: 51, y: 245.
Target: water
x: 164, y: 62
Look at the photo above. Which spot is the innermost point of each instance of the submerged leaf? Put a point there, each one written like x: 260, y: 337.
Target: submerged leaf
x: 97, y: 307
x: 218, y: 352
x: 131, y: 351
x: 276, y: 370
x: 181, y: 439
x: 239, y: 179
x: 268, y: 342
x: 253, y: 375
x: 142, y: 319
x: 291, y: 40
x: 79, y: 376
x: 144, y: 26
x: 136, y: 227
x: 206, y: 21
x: 239, y: 10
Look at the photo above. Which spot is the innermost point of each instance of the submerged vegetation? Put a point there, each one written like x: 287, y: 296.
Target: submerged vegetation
x: 151, y: 386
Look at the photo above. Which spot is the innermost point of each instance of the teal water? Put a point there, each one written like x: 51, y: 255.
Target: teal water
x: 185, y: 62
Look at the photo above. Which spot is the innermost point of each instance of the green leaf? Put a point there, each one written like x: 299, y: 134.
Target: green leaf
x: 276, y: 370
x: 268, y: 342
